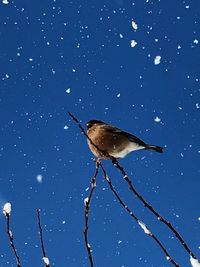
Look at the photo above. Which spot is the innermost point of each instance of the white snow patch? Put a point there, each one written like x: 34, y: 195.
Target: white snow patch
x: 145, y: 229
x: 86, y: 201
x: 134, y: 25
x: 157, y: 60
x: 68, y: 90
x: 7, y: 208
x: 194, y: 262
x: 5, y: 2
x: 46, y: 260
x: 39, y: 178
x: 133, y: 43
x: 157, y: 119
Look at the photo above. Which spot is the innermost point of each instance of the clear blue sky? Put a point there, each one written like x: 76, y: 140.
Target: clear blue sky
x: 58, y: 56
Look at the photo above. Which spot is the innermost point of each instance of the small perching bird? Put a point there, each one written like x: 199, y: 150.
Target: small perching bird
x: 106, y: 140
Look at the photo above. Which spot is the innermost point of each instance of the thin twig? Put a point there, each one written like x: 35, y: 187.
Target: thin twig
x: 11, y: 238
x: 130, y: 212
x: 132, y: 188
x: 87, y: 202
x: 45, y: 258
x: 150, y: 208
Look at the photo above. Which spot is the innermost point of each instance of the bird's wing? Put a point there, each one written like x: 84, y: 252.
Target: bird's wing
x: 131, y: 137
x: 134, y: 139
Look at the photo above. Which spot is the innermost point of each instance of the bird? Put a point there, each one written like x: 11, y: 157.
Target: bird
x: 107, y: 141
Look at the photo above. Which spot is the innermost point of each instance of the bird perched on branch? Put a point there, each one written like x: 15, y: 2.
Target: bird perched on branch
x: 106, y: 140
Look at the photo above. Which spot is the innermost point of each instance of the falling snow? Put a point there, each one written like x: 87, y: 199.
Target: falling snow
x: 68, y: 90
x: 39, y: 178
x: 157, y: 60
x: 5, y: 2
x: 157, y: 119
x: 133, y: 43
x: 134, y: 25
x: 133, y: 67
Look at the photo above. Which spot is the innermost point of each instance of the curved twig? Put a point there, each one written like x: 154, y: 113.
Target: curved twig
x: 140, y: 223
x: 87, y: 202
x: 45, y: 258
x: 150, y: 208
x: 11, y: 238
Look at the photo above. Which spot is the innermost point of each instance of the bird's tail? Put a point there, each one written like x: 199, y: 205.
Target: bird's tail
x: 154, y: 148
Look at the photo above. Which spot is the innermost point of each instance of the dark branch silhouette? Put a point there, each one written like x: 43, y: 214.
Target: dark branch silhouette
x: 11, y: 238
x: 45, y: 258
x: 140, y: 223
x: 87, y: 202
x: 132, y: 188
x: 149, y: 207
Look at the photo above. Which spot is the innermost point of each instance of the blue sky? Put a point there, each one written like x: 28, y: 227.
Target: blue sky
x: 59, y: 56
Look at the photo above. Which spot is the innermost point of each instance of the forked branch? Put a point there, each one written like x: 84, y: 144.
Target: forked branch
x: 135, y: 192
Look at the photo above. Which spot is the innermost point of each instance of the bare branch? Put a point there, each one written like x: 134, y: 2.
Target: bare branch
x: 150, y: 208
x: 45, y: 258
x: 11, y: 238
x: 132, y: 188
x: 87, y: 202
x: 142, y: 225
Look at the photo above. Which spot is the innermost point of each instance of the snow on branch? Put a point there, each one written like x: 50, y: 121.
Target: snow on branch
x: 194, y: 262
x: 140, y: 223
x: 151, y: 209
x: 87, y: 202
x: 135, y: 192
x: 144, y: 228
x: 7, y: 213
x: 44, y: 258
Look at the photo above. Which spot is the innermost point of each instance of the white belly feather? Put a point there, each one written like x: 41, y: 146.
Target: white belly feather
x: 127, y: 150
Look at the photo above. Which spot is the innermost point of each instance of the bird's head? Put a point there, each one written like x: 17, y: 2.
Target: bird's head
x: 93, y: 122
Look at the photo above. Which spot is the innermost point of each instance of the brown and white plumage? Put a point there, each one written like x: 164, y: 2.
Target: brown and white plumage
x: 113, y: 141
